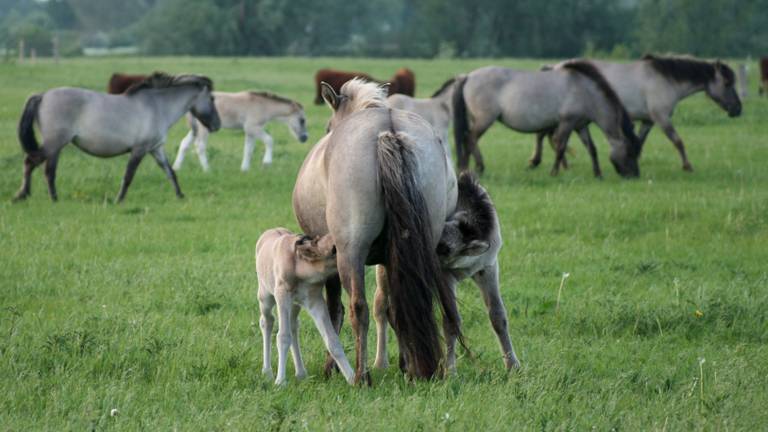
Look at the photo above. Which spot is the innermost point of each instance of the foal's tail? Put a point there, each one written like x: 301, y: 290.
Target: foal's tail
x: 26, y: 125
x: 460, y: 121
x: 413, y: 269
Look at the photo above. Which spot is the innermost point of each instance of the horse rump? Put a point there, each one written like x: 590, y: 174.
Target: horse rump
x: 413, y: 270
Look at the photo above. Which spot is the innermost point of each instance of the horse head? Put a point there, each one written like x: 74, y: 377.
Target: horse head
x: 204, y: 109
x: 355, y: 95
x: 722, y: 89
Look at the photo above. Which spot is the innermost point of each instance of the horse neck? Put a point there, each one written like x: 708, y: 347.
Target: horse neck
x: 171, y: 103
x: 683, y: 89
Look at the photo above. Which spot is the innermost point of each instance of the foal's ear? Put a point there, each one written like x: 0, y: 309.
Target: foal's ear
x: 307, y: 249
x: 475, y: 248
x: 329, y: 95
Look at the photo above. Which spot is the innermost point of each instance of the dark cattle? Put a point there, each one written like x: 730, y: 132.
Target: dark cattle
x: 119, y: 83
x: 404, y: 81
x: 763, y: 75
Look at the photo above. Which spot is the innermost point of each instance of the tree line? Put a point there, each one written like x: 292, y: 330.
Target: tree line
x: 392, y: 28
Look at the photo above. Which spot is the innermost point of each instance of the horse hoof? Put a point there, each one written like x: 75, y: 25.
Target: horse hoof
x: 687, y: 167
x: 533, y: 163
x: 20, y: 197
x: 180, y: 196
x: 363, y: 379
x: 330, y: 367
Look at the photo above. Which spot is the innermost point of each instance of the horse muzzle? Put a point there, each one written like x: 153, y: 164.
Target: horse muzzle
x: 303, y: 137
x: 734, y: 111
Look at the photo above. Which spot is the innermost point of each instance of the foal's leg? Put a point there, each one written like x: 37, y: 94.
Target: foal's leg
x: 319, y: 313
x: 487, y: 281
x: 248, y: 146
x: 298, y: 363
x: 268, y: 144
x: 130, y: 170
x: 50, y: 173
x: 200, y: 145
x: 266, y: 322
x: 586, y: 138
x: 284, y: 333
x: 30, y: 163
x: 162, y: 161
x: 336, y: 312
x: 183, y: 147
x: 671, y: 133
x: 380, y: 311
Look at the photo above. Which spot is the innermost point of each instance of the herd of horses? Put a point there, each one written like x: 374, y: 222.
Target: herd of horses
x: 379, y: 188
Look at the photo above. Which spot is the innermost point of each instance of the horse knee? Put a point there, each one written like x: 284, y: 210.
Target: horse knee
x: 360, y: 311
x: 499, y: 320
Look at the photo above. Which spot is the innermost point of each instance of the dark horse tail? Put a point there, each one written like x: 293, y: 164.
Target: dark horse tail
x: 26, y: 125
x: 590, y: 71
x: 460, y: 122
x: 413, y: 269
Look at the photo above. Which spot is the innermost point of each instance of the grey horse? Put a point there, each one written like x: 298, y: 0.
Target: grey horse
x: 437, y: 110
x: 562, y: 100
x: 651, y: 88
x: 105, y: 125
x: 381, y: 184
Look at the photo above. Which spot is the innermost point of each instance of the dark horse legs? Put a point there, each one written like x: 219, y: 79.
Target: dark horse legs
x: 130, y: 170
x: 162, y: 161
x: 336, y: 311
x: 30, y: 163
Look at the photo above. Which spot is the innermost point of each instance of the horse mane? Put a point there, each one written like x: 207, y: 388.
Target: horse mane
x: 688, y: 69
x: 443, y: 87
x: 160, y: 80
x: 275, y: 97
x: 363, y: 94
x: 625, y: 122
x: 475, y: 201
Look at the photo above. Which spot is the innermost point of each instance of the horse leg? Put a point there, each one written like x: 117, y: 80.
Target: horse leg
x: 352, y: 273
x: 183, y: 147
x: 586, y: 138
x: 380, y: 311
x: 535, y: 159
x: 266, y: 322
x: 336, y: 312
x: 479, y: 163
x: 284, y: 302
x: 30, y: 163
x: 268, y: 145
x: 318, y: 311
x: 450, y: 336
x: 130, y: 170
x: 642, y: 133
x: 487, y: 281
x: 298, y: 363
x: 671, y: 133
x: 564, y: 162
x: 201, y: 143
x: 162, y: 161
x: 248, y: 146
x: 50, y: 174
x: 560, y: 138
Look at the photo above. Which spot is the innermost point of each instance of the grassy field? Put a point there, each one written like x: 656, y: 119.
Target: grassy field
x: 150, y: 307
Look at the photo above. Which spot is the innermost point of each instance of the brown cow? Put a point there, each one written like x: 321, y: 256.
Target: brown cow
x: 404, y: 81
x: 119, y: 82
x: 763, y: 75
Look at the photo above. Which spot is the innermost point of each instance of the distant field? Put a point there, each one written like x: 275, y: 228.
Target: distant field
x: 150, y: 307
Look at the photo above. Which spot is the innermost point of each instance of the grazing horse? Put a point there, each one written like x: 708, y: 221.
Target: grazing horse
x: 763, y: 75
x: 119, y: 82
x: 437, y: 110
x: 249, y: 111
x: 562, y: 100
x: 468, y: 247
x: 104, y: 125
x: 651, y: 88
x: 403, y: 82
x: 381, y: 184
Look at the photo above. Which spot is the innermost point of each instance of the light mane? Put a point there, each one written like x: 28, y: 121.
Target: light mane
x: 361, y: 94
x: 161, y: 80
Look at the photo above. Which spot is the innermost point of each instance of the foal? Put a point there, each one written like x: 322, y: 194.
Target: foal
x: 292, y: 270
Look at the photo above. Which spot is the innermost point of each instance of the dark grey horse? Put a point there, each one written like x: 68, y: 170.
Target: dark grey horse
x: 106, y: 125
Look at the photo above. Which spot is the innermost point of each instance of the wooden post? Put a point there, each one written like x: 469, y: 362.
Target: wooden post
x: 743, y: 81
x: 55, y: 43
x: 21, y: 50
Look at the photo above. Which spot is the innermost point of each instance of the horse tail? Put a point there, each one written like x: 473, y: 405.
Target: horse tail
x: 26, y: 125
x: 589, y: 70
x: 413, y: 270
x: 460, y: 120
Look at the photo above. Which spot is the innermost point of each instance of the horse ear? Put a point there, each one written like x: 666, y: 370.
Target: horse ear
x: 329, y: 95
x: 307, y: 250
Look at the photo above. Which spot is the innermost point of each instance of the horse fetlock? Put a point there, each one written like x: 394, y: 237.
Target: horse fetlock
x: 363, y: 379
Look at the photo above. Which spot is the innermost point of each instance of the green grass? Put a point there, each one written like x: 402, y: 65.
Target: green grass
x: 150, y: 306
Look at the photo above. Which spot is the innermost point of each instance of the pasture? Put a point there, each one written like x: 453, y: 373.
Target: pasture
x: 149, y: 307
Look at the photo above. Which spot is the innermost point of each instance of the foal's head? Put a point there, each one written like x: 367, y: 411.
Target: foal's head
x: 318, y: 253
x: 355, y: 95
